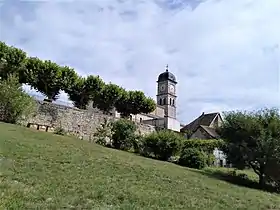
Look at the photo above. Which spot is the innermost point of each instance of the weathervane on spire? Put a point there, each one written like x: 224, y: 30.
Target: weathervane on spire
x: 166, y: 68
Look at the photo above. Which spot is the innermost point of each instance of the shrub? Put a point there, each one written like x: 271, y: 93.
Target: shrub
x: 60, y: 131
x: 15, y: 104
x: 193, y: 158
x: 137, y: 143
x: 123, y: 134
x: 103, y: 134
x: 202, y: 144
x: 161, y: 145
x: 210, y: 159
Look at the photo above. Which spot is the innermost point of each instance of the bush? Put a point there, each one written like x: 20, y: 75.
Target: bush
x: 193, y: 158
x: 15, y: 104
x: 161, y: 145
x: 137, y: 142
x: 123, y: 134
x: 60, y: 131
x: 202, y: 144
x: 103, y: 134
x: 210, y: 159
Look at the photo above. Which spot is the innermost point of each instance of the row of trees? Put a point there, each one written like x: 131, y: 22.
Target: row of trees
x: 50, y: 78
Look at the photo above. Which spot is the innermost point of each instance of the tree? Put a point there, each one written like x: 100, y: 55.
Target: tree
x: 44, y: 76
x: 253, y: 139
x: 12, y: 61
x: 14, y: 103
x: 193, y: 158
x: 107, y: 98
x: 85, y: 89
x: 134, y: 102
x: 123, y: 134
x: 122, y: 105
x: 94, y: 85
x: 69, y: 78
x: 161, y: 145
x: 77, y: 93
x: 148, y: 106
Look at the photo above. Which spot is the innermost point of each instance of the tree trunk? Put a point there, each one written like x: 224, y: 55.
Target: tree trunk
x: 261, y: 180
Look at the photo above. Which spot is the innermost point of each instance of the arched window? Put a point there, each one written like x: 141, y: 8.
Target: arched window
x: 140, y: 119
x: 170, y: 101
x: 164, y: 101
x: 160, y: 101
x: 173, y: 102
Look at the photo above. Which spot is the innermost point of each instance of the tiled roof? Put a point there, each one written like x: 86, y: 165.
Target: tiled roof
x: 204, y: 119
x: 211, y: 131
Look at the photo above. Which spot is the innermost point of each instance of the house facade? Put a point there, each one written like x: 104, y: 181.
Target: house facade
x: 204, y: 127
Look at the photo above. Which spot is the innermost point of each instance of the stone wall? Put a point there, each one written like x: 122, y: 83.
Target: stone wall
x: 81, y: 123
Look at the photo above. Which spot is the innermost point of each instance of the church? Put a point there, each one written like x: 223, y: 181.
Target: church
x: 164, y: 116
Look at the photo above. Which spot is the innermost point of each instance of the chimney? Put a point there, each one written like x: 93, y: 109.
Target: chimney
x: 202, y: 114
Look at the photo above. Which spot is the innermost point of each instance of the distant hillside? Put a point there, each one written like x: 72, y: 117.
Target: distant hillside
x: 44, y: 171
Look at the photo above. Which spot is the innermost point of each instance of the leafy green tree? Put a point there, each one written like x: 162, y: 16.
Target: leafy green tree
x: 15, y: 104
x: 12, y: 61
x: 134, y: 102
x: 148, y: 106
x: 162, y: 144
x: 69, y: 77
x: 103, y: 133
x: 44, y: 76
x: 94, y: 85
x: 253, y: 139
x: 193, y: 158
x: 122, y: 105
x: 107, y: 98
x: 123, y: 134
x: 85, y: 89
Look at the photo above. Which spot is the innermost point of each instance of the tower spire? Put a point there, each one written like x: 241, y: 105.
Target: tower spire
x: 166, y: 67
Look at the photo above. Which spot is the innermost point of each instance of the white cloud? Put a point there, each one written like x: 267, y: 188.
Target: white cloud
x: 224, y: 54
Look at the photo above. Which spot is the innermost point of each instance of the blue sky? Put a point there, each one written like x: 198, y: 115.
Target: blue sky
x: 224, y: 53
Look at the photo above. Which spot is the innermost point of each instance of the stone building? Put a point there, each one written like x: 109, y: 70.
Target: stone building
x: 164, y: 116
x: 204, y: 127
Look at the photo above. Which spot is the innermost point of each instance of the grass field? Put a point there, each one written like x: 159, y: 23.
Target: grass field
x: 43, y: 171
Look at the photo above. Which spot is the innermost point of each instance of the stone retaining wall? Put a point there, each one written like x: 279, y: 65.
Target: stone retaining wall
x: 81, y: 123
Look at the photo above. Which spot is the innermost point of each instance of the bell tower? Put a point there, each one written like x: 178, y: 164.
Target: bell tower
x: 166, y: 93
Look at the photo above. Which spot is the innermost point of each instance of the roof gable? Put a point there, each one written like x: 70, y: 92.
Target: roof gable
x: 204, y: 119
x: 211, y: 131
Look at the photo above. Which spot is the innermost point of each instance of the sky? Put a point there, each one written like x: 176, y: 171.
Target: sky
x: 225, y: 54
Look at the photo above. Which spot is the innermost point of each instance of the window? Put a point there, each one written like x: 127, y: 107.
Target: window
x: 140, y: 119
x: 170, y: 101
x: 164, y: 101
x: 160, y: 101
x: 173, y: 102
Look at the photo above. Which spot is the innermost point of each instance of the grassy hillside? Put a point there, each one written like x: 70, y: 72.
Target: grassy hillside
x: 43, y: 171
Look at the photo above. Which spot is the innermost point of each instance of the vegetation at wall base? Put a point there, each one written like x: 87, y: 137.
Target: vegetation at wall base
x: 41, y: 170
x: 123, y: 134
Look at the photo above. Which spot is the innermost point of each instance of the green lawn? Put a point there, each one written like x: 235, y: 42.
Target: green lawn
x: 43, y: 171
